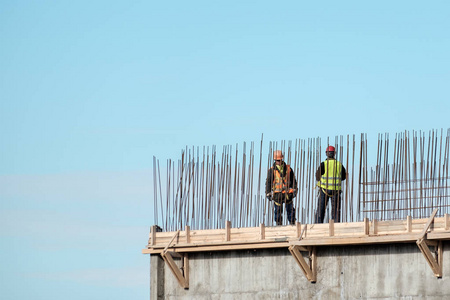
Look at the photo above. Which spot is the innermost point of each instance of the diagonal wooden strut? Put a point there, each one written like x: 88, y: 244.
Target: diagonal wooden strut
x: 434, y: 261
x: 310, y: 270
x: 181, y: 273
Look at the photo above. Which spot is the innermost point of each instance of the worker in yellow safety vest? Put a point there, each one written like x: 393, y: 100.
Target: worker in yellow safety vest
x: 281, y: 187
x: 329, y: 176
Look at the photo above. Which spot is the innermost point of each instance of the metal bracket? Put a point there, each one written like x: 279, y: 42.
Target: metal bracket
x: 310, y: 270
x: 434, y: 261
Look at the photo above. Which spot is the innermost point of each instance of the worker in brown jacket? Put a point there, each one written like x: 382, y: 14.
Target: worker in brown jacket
x: 281, y: 187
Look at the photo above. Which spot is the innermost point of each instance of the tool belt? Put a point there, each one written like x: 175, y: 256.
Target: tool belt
x: 280, y: 198
x: 280, y: 204
x: 330, y: 193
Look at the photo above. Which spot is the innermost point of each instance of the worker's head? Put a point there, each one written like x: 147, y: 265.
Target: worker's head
x: 330, y: 152
x: 278, y: 156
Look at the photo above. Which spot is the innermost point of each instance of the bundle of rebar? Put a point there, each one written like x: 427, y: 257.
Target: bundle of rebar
x: 206, y: 187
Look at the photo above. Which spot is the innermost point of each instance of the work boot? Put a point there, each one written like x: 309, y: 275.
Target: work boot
x: 279, y: 223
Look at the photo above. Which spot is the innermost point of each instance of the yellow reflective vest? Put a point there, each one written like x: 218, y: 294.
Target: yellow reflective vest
x: 331, y: 178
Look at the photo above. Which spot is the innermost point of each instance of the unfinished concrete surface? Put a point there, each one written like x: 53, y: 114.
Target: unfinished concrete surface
x: 394, y: 271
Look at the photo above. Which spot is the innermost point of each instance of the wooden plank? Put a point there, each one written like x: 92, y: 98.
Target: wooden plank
x: 228, y: 231
x: 318, y: 230
x: 430, y: 220
x: 223, y: 243
x: 262, y: 231
x: 401, y: 238
x: 417, y: 226
x: 279, y: 234
x: 211, y: 238
x: 409, y: 224
x: 207, y: 248
x: 354, y: 228
x: 438, y: 223
x: 438, y: 235
x: 392, y: 228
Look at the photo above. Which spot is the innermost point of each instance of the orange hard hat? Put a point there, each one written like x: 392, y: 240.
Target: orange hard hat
x: 277, y: 155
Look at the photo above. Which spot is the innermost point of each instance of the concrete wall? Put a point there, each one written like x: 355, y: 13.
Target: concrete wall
x: 397, y: 271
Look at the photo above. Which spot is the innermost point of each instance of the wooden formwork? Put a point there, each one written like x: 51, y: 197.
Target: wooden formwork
x: 300, y: 238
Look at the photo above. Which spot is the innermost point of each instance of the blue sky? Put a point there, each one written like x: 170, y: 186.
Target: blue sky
x: 90, y: 91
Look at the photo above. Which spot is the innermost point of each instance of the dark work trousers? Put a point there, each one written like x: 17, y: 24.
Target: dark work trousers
x: 290, y: 210
x: 322, y: 205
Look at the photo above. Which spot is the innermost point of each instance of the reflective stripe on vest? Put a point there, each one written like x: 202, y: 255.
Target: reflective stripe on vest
x: 331, y: 178
x: 279, y: 182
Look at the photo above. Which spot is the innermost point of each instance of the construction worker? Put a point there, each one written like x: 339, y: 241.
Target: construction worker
x: 281, y: 187
x: 329, y: 176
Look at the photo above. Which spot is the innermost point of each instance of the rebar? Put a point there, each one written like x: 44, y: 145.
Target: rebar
x: 204, y: 188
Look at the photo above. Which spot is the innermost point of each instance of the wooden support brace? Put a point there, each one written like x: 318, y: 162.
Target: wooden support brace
x: 366, y: 226
x: 188, y: 234
x: 409, y: 223
x: 180, y: 273
x: 447, y: 221
x: 303, y: 232
x: 152, y: 237
x: 331, y: 227
x: 298, y: 229
x: 435, y: 262
x: 262, y: 231
x: 430, y: 220
x: 227, y: 231
x: 186, y: 269
x: 310, y: 270
x: 313, y: 262
x: 374, y: 227
x: 175, y: 254
x: 440, y: 257
x: 173, y: 238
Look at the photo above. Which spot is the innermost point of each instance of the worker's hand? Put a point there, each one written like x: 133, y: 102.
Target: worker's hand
x: 269, y: 196
x: 292, y: 193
